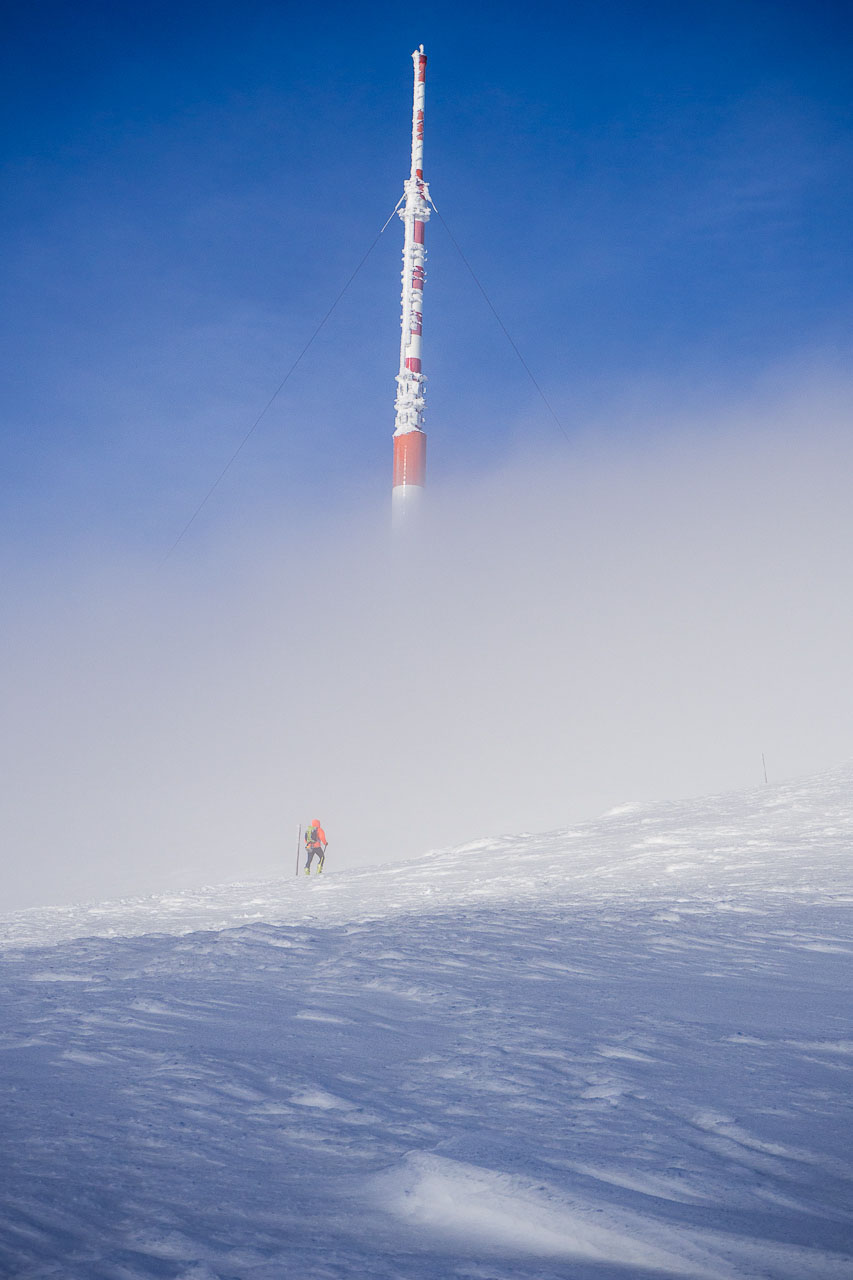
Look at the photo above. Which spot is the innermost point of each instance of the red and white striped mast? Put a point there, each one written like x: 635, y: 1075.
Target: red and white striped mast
x: 409, y: 435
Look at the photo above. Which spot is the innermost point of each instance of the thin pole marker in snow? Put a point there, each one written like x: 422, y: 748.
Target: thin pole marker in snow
x: 764, y: 762
x: 298, y: 845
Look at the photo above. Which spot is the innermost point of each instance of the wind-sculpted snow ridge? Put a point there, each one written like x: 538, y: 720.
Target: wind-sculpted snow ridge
x: 619, y: 1052
x: 794, y: 838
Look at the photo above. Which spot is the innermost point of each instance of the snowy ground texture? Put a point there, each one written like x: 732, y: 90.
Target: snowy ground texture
x: 617, y: 1052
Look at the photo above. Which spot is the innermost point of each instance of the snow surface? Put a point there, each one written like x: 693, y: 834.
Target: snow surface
x: 616, y: 1052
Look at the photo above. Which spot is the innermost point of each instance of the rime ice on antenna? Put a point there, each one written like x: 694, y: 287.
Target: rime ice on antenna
x: 409, y: 436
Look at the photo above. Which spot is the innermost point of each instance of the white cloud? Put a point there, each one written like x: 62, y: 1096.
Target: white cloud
x: 630, y: 622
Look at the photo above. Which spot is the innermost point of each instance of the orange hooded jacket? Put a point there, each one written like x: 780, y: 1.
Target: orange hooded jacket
x: 320, y: 837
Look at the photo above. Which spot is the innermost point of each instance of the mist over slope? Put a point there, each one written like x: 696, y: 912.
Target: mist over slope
x: 785, y: 839
x: 639, y: 617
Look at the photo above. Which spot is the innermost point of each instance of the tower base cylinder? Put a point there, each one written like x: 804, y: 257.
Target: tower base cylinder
x: 409, y: 475
x: 410, y: 458
x: 406, y: 500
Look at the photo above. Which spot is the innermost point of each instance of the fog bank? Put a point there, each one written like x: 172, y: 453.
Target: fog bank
x: 630, y: 621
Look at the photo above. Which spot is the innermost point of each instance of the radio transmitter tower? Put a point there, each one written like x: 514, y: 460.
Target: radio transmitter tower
x: 409, y: 435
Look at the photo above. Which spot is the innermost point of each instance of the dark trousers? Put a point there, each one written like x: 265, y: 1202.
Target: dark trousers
x: 310, y: 850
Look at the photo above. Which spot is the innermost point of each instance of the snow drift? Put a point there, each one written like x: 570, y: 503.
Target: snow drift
x: 617, y: 1051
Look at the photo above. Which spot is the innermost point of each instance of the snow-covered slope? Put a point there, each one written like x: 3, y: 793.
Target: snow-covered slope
x: 795, y: 838
x: 619, y: 1051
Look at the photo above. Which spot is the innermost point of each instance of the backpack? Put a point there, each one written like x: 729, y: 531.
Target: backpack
x: 311, y: 836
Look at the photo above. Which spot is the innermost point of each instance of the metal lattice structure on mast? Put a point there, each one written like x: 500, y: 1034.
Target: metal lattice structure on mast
x: 409, y: 435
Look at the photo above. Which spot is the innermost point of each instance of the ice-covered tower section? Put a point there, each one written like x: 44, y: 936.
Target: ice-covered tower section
x: 409, y: 436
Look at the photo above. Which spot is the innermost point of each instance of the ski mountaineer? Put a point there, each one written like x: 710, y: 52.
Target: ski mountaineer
x: 315, y: 842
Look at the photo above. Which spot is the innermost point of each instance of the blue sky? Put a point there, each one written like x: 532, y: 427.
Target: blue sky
x: 655, y: 196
